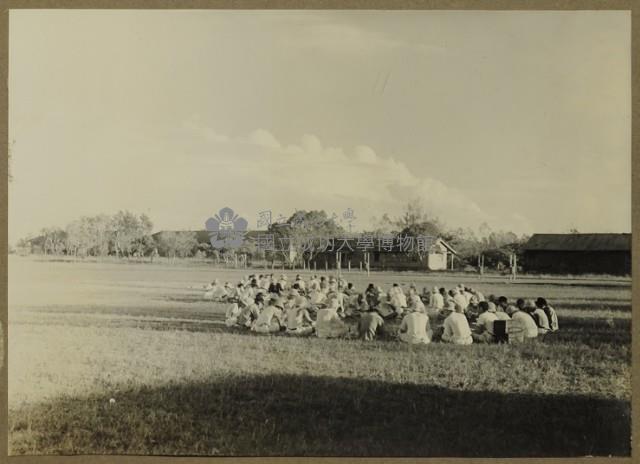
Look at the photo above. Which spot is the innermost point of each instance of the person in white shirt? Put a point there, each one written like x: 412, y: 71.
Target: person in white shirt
x: 270, y: 318
x: 397, y: 299
x: 415, y: 328
x: 524, y: 322
x: 231, y: 315
x: 501, y: 309
x: 460, y: 299
x: 301, y: 283
x: 436, y: 301
x: 298, y: 320
x: 416, y: 304
x: 456, y: 328
x: 484, y: 324
x: 249, y: 314
x: 215, y: 291
x: 328, y: 323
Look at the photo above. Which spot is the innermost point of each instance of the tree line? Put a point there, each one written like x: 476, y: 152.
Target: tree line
x: 126, y: 234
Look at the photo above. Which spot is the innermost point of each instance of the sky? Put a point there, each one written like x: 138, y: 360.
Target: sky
x: 521, y: 120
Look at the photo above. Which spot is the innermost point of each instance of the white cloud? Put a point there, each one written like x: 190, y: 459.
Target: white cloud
x: 265, y: 139
x: 308, y: 175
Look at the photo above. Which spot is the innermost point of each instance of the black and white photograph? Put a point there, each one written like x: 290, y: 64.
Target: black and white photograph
x: 319, y: 233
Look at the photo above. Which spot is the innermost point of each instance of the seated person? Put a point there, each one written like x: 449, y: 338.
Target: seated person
x: 215, y: 291
x: 458, y: 298
x: 436, y: 300
x: 231, y: 315
x: 456, y: 328
x: 398, y: 301
x: 249, y: 313
x: 484, y: 324
x: 552, y: 317
x: 472, y: 311
x: 361, y: 305
x: 371, y: 294
x: 384, y: 307
x: 351, y: 304
x: 416, y: 304
x: 328, y: 323
x: 526, y: 324
x: 415, y: 328
x: 501, y: 309
x: 270, y: 319
x: 317, y: 298
x: 350, y: 290
x: 298, y: 320
x: 539, y: 316
x: 314, y: 283
x: 275, y: 288
x: 300, y: 283
x: 370, y: 325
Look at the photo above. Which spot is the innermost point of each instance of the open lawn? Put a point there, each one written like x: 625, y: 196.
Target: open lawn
x: 81, y: 334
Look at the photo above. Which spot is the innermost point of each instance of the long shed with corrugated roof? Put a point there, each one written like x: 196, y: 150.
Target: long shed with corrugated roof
x: 578, y: 254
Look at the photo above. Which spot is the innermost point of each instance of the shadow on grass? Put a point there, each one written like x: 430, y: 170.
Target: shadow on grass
x: 322, y: 416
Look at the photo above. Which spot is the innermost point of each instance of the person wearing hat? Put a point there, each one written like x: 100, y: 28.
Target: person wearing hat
x: 328, y: 323
x: 552, y: 317
x: 524, y: 322
x: 436, y: 301
x: 415, y: 327
x: 478, y: 294
x: 416, y: 304
x: 484, y: 324
x: 456, y: 328
x: 270, y: 318
x: 397, y: 299
x: 539, y: 316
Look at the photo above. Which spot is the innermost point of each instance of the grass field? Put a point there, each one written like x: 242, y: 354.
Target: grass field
x: 81, y: 334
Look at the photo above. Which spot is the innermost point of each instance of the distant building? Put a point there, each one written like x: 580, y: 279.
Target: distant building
x: 439, y: 257
x: 578, y: 254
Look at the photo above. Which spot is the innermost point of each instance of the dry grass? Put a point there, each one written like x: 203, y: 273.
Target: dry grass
x: 80, y: 334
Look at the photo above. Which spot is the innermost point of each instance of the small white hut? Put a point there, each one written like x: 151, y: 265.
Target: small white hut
x: 441, y: 256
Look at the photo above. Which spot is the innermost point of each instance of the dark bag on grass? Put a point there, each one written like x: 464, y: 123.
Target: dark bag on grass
x: 500, y: 333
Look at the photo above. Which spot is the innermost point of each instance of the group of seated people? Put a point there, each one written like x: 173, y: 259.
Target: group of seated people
x: 331, y: 307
